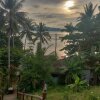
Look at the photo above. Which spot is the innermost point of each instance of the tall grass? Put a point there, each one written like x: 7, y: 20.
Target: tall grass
x: 61, y: 93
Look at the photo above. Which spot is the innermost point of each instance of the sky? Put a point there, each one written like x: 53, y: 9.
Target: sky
x: 55, y: 13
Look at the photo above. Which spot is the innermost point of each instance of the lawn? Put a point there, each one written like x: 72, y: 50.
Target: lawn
x: 61, y: 93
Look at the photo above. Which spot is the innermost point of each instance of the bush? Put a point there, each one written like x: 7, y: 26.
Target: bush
x: 79, y: 84
x: 66, y: 97
x: 36, y: 68
x: 26, y: 83
x: 92, y: 97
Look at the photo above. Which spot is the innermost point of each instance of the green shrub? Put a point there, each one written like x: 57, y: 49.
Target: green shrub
x: 92, y: 97
x: 79, y: 84
x: 26, y: 83
x: 66, y: 97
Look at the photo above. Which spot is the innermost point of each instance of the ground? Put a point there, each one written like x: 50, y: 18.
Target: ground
x: 10, y: 97
x: 61, y: 93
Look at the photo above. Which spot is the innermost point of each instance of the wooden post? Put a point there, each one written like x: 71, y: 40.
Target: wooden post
x: 2, y: 96
x: 55, y: 44
x: 44, y: 96
x: 17, y: 93
x: 23, y: 96
x: 31, y: 98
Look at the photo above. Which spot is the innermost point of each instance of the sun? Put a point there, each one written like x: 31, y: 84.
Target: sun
x: 68, y: 4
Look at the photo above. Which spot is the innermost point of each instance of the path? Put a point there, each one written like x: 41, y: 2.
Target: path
x: 10, y: 97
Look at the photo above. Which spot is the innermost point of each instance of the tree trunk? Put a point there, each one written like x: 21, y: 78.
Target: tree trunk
x: 41, y: 42
x: 13, y: 40
x: 95, y: 79
x: 8, y: 59
x: 25, y: 43
x: 9, y: 35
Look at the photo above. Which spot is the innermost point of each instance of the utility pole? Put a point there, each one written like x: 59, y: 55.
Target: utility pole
x: 55, y: 44
x: 56, y: 38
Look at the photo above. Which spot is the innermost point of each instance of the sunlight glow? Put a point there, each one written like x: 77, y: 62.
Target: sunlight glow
x: 68, y: 4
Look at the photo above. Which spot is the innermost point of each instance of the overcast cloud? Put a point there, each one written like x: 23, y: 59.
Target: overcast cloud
x: 52, y: 12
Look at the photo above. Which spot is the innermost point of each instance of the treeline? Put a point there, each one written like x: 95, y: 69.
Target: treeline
x: 83, y: 41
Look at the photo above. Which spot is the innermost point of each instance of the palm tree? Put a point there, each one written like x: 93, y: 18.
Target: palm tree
x: 85, y: 21
x: 80, y: 36
x: 71, y: 38
x: 86, y: 26
x: 69, y: 28
x: 41, y: 34
x: 12, y: 17
x: 28, y: 32
x: 88, y: 12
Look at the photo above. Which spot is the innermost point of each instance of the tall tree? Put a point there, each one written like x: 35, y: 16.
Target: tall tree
x: 81, y: 36
x: 28, y: 32
x: 42, y: 33
x: 88, y: 13
x: 71, y: 38
x: 4, y: 41
x: 12, y: 17
x: 85, y: 40
x: 86, y: 26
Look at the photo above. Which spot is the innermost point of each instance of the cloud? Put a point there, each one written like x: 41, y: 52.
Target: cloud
x: 36, y: 6
x: 54, y: 19
x: 47, y: 1
x: 52, y: 15
x: 52, y: 12
x: 75, y: 8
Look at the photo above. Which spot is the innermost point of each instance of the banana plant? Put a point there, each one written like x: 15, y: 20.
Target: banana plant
x: 78, y: 84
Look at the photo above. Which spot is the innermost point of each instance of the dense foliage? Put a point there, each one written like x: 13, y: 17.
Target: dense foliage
x: 28, y: 69
x: 36, y: 68
x: 84, y: 36
x: 83, y: 39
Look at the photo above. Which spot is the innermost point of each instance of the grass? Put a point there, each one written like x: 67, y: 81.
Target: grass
x: 62, y: 93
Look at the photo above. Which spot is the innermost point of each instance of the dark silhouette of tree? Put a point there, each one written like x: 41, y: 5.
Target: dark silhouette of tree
x: 85, y: 39
x: 41, y: 34
x: 12, y: 18
x: 71, y: 38
x: 82, y: 36
x: 28, y: 32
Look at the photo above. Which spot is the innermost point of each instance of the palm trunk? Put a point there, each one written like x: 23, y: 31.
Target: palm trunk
x: 9, y: 34
x: 25, y: 43
x: 41, y: 43
x: 13, y: 41
x: 8, y: 59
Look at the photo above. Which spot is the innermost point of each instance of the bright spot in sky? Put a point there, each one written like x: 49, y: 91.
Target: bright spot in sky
x: 69, y: 4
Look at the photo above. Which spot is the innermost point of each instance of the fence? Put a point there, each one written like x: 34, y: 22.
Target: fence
x: 24, y: 96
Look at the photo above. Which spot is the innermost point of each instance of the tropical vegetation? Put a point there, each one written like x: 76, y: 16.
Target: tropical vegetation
x: 25, y: 69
